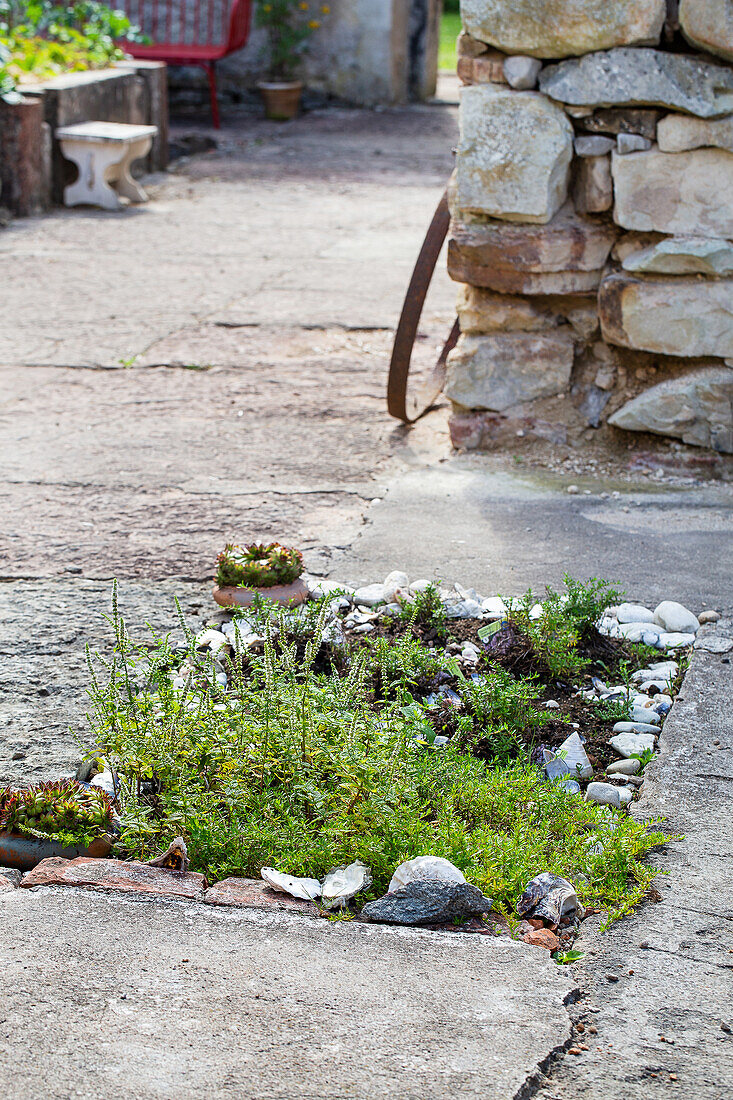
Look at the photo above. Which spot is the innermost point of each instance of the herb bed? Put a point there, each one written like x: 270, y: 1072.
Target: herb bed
x: 295, y: 739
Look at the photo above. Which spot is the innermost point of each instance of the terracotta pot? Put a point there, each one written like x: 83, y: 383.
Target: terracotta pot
x: 24, y: 852
x: 289, y: 595
x: 282, y: 98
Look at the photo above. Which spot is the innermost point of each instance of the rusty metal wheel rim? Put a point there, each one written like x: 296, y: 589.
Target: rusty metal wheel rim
x: 404, y: 341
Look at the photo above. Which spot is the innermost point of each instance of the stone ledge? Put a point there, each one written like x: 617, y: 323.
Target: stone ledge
x: 113, y: 875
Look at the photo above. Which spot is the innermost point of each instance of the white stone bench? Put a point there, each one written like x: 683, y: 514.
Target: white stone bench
x: 103, y: 152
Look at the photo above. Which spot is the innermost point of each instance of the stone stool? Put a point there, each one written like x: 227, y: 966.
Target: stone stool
x: 103, y: 153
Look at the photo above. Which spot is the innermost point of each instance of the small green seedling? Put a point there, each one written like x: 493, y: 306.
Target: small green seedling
x: 562, y: 958
x: 644, y: 757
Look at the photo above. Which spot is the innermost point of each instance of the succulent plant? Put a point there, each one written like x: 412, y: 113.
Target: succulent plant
x: 259, y: 565
x: 62, y: 810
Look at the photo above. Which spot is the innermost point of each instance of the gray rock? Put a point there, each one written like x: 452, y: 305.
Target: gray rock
x: 683, y: 256
x: 645, y: 715
x: 370, y: 595
x: 561, y: 28
x: 496, y: 372
x: 429, y: 901
x: 685, y: 194
x: 631, y: 77
x: 11, y: 875
x: 675, y: 640
x: 708, y: 24
x: 632, y: 143
x: 695, y: 407
x: 624, y: 767
x: 708, y: 617
x: 514, y: 155
x: 604, y: 794
x: 636, y: 727
x: 625, y: 795
x: 593, y: 145
x: 714, y: 643
x: 675, y: 617
x: 634, y: 613
x: 522, y: 72
x: 627, y: 744
x: 680, y: 133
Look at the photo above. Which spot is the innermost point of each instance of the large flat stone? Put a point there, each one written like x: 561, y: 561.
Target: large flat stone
x: 674, y: 316
x: 641, y: 77
x: 696, y: 407
x: 514, y: 155
x: 679, y: 133
x: 113, y: 875
x: 562, y: 28
x: 709, y: 25
x: 563, y: 257
x: 497, y: 372
x: 681, y: 193
x: 246, y: 893
x: 682, y: 256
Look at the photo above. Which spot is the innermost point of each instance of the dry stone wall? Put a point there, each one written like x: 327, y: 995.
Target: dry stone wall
x: 592, y: 221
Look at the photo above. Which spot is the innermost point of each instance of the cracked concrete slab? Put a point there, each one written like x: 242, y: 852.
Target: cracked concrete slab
x: 505, y: 530
x: 658, y: 1025
x: 194, y: 1003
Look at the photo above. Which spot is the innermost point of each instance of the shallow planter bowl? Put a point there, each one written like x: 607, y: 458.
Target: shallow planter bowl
x: 281, y: 97
x: 25, y: 852
x: 289, y: 595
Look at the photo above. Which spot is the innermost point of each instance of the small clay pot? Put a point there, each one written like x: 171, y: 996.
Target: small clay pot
x: 289, y: 595
x: 25, y: 852
x: 282, y: 98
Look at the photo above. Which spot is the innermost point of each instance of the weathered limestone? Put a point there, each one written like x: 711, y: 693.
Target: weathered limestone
x: 497, y: 372
x: 679, y: 133
x: 696, y: 407
x: 483, y: 311
x: 563, y: 28
x: 514, y: 156
x: 565, y: 256
x: 683, y: 256
x: 592, y: 185
x: 629, y: 77
x: 680, y: 316
x: 522, y: 72
x: 681, y: 193
x: 709, y: 25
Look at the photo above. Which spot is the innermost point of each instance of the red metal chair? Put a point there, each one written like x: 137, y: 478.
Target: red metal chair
x: 190, y: 32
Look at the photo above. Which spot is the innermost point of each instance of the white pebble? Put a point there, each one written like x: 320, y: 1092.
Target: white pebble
x: 675, y: 618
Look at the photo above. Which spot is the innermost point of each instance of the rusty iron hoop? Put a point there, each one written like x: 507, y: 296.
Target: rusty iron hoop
x: 404, y: 341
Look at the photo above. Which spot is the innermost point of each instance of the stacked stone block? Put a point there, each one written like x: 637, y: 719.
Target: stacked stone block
x: 592, y: 220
